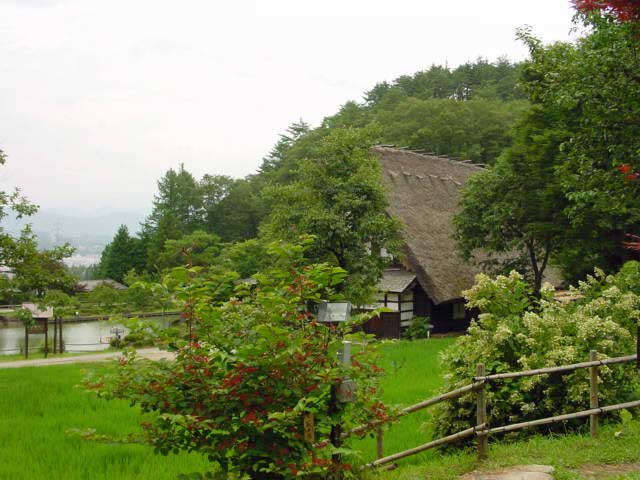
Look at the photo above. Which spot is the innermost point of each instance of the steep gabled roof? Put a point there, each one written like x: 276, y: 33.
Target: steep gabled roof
x: 395, y: 280
x: 423, y: 192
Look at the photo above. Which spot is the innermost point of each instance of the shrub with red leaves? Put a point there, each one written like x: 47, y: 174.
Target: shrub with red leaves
x: 623, y: 10
x: 255, y: 368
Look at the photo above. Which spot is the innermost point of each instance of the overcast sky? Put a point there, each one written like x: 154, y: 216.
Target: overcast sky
x: 99, y: 98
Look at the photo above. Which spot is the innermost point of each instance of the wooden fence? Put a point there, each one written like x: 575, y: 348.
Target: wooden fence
x: 482, y: 429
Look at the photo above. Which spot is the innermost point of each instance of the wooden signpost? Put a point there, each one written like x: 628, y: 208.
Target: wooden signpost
x: 40, y: 326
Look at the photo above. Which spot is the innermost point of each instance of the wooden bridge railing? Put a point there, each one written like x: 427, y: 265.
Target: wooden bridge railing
x: 481, y: 429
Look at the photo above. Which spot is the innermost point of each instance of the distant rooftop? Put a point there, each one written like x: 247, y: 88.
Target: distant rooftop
x: 90, y: 285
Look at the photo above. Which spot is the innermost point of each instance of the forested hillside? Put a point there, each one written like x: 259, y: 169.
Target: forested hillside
x: 467, y: 113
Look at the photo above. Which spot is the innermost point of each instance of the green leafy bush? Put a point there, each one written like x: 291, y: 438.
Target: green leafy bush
x: 254, y: 368
x: 515, y: 332
x: 420, y: 328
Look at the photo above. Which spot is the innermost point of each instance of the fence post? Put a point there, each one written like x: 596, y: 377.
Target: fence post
x: 593, y: 394
x: 481, y: 414
x: 55, y: 335
x: 380, y: 442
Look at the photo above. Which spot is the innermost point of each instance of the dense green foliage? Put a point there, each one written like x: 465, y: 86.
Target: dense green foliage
x: 557, y: 195
x: 516, y: 208
x: 515, y: 333
x: 338, y: 197
x: 121, y: 255
x: 594, y: 91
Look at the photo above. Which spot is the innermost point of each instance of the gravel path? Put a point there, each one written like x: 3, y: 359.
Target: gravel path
x: 150, y: 353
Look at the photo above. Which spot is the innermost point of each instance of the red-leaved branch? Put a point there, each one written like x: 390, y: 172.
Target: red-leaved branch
x: 624, y: 10
x: 633, y: 241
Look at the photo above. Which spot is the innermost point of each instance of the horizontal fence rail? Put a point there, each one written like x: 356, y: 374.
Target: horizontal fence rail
x: 563, y: 368
x: 414, y: 408
x: 560, y: 418
x: 482, y: 429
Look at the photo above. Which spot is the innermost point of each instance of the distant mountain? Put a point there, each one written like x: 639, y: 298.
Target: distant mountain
x: 89, y: 233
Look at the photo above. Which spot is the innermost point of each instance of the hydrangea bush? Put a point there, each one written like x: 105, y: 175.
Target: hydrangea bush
x: 252, y: 388
x: 516, y: 331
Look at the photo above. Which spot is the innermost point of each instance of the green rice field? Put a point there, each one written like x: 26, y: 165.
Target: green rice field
x: 39, y: 404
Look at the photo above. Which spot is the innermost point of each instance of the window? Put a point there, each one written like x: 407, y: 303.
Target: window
x: 459, y: 312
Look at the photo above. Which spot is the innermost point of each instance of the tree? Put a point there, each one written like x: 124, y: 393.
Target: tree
x: 624, y: 10
x: 177, y: 210
x: 106, y: 297
x: 121, y: 255
x: 475, y: 130
x: 246, y: 257
x: 593, y: 89
x: 287, y: 140
x: 238, y: 215
x: 195, y: 249
x: 515, y: 209
x: 338, y: 198
x: 214, y: 189
x: 36, y: 271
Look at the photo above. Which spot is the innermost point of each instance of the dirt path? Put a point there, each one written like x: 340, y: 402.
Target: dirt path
x: 150, y: 353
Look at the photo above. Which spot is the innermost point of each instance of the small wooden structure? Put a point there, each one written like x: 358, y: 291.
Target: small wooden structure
x: 41, y: 317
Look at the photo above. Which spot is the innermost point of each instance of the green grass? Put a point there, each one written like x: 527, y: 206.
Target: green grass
x: 37, y: 406
x: 564, y: 452
x: 412, y: 374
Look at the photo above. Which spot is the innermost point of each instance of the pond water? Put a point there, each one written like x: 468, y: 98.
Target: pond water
x: 77, y: 337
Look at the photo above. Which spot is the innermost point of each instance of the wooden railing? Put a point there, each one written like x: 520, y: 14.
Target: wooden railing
x: 482, y: 430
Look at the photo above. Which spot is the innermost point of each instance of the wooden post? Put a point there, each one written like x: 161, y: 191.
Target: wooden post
x: 55, y: 335
x: 481, y: 414
x: 593, y: 394
x: 309, y: 425
x: 46, y: 337
x: 61, y: 346
x: 380, y: 442
x: 26, y: 342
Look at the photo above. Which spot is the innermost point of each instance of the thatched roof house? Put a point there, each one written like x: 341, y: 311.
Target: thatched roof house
x: 423, y: 192
x: 90, y: 285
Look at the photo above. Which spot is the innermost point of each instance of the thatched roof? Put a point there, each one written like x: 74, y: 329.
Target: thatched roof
x: 423, y: 192
x: 90, y: 285
x: 395, y: 280
x: 37, y: 312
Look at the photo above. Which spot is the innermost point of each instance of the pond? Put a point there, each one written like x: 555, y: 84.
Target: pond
x: 77, y: 337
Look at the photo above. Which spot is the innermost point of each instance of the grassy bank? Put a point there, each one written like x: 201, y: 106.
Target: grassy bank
x: 40, y: 355
x: 570, y: 455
